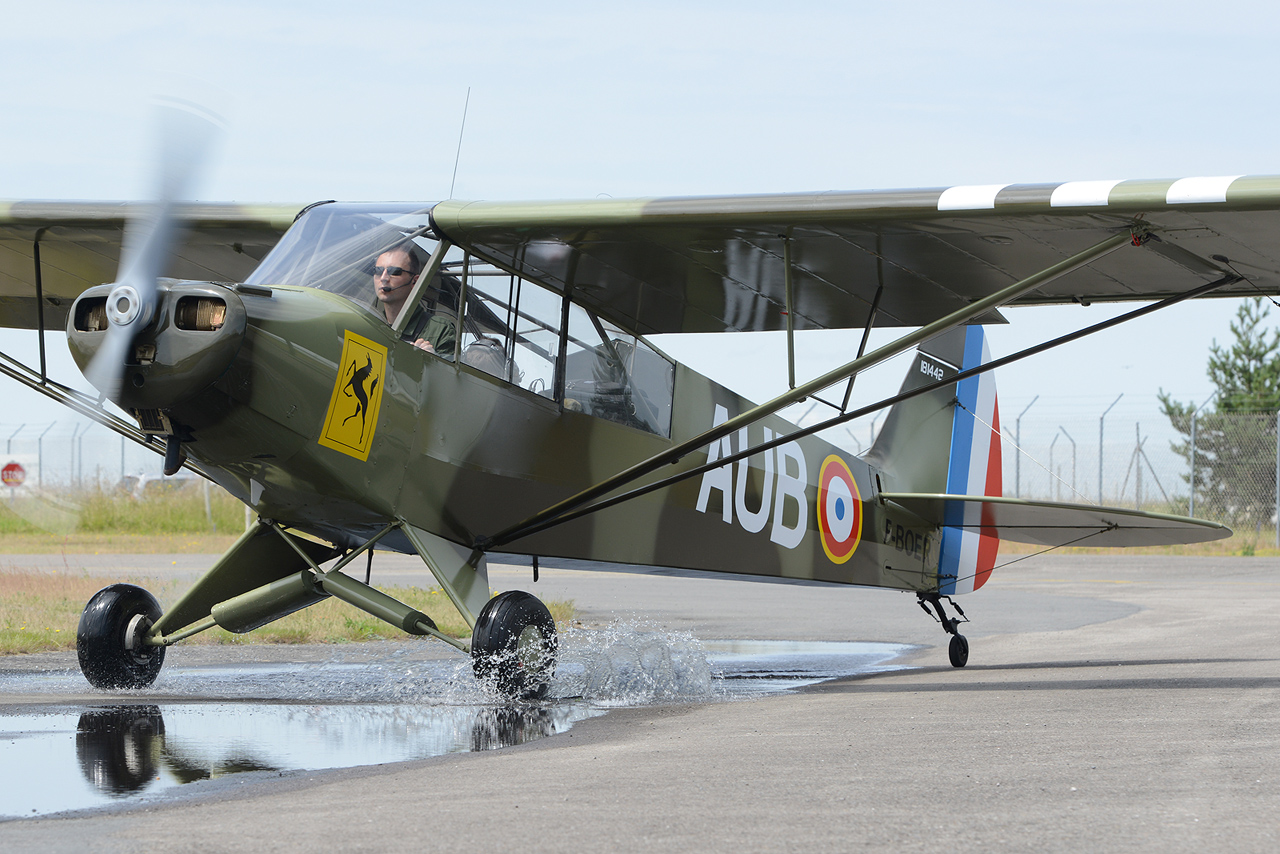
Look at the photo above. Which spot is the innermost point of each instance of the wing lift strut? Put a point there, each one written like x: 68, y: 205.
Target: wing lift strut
x: 592, y: 499
x: 78, y: 401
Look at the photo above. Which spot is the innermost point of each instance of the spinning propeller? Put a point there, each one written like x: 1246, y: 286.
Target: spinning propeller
x: 186, y: 135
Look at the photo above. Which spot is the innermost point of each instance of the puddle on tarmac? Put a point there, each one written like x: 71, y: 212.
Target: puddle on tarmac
x: 280, y: 718
x: 84, y: 757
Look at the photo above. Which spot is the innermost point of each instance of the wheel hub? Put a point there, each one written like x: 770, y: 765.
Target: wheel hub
x: 530, y: 648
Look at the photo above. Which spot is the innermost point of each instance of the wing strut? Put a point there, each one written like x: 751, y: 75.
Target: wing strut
x: 791, y: 309
x: 79, y: 402
x: 35, y: 253
x: 866, y: 333
x: 677, y: 452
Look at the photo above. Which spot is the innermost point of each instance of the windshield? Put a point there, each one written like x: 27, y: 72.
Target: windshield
x: 334, y: 247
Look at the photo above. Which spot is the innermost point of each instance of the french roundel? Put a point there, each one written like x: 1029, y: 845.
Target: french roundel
x: 839, y: 509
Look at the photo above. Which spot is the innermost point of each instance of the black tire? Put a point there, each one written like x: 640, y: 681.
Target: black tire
x: 513, y: 646
x: 958, y: 650
x: 103, y: 645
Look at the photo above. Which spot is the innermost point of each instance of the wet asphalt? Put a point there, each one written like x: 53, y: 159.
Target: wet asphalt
x: 1110, y: 703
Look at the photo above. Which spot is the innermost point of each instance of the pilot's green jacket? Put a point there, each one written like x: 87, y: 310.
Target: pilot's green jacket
x: 435, y: 327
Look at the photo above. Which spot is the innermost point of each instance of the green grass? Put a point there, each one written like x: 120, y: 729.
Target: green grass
x: 181, y: 510
x: 1237, y: 545
x: 39, y: 611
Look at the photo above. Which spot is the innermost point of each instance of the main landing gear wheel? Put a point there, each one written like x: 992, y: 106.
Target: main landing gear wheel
x: 110, y: 641
x: 513, y: 646
x: 958, y: 650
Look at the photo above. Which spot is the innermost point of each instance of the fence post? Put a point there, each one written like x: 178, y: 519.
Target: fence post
x: 1053, y: 474
x: 1100, y: 425
x: 1191, y: 508
x: 9, y: 448
x: 1137, y: 465
x: 1073, y: 457
x: 40, y: 456
x: 1191, y: 504
x: 1017, y: 457
x: 1278, y: 479
x: 71, y: 473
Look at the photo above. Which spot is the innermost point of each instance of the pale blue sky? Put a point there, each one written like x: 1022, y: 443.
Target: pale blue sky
x: 363, y: 101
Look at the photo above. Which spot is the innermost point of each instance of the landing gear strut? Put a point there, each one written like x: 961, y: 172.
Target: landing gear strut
x: 958, y: 649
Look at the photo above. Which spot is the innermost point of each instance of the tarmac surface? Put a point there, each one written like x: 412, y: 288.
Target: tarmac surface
x: 1110, y: 703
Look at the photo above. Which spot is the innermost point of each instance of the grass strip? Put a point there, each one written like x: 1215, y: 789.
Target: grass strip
x: 39, y: 611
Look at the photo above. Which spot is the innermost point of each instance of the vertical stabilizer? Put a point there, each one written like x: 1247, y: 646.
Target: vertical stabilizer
x: 947, y: 442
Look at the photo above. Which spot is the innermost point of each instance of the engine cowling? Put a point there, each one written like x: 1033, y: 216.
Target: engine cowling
x: 194, y: 337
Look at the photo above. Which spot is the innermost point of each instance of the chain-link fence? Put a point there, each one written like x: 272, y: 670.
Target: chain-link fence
x: 1219, y: 466
x: 1124, y: 451
x: 76, y: 455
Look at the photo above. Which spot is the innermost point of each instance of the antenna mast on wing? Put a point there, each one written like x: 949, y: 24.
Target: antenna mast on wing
x: 458, y: 155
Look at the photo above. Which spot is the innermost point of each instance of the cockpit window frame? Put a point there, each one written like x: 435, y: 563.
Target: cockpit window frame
x: 577, y: 375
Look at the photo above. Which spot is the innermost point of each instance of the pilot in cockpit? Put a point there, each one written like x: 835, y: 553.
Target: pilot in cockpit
x: 394, y: 275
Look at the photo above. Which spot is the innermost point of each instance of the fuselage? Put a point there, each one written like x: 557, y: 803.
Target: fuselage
x: 326, y: 418
x: 463, y: 454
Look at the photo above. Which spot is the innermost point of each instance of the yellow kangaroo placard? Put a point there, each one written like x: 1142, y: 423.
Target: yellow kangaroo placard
x: 357, y: 391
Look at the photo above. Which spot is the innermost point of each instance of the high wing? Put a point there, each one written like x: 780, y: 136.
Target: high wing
x: 713, y: 264
x: 78, y: 246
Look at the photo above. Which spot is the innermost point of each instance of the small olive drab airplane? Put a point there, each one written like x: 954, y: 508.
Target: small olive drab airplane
x: 514, y: 406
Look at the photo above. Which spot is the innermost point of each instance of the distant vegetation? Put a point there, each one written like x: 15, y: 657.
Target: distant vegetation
x: 185, y: 508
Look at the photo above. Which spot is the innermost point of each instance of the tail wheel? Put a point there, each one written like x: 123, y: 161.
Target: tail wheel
x: 513, y: 645
x: 958, y: 650
x: 110, y: 641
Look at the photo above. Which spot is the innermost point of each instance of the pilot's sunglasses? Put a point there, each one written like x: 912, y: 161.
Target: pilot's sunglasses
x: 391, y: 271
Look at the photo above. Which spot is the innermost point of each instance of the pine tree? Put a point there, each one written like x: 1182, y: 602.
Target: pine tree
x: 1235, y: 440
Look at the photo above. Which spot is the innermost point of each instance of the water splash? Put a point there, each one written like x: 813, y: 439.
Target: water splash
x: 627, y: 663
x: 634, y: 663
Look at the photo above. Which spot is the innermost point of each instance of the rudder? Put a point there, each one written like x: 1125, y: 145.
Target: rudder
x: 968, y: 551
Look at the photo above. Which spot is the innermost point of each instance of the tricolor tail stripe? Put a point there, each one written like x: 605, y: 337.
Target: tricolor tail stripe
x: 968, y: 553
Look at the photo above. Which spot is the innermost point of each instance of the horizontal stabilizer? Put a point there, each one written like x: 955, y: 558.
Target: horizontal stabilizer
x: 1049, y: 523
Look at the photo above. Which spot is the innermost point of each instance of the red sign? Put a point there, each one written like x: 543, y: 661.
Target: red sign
x: 13, y: 474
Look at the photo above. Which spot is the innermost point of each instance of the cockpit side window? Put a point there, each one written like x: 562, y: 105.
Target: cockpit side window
x: 614, y: 375
x: 512, y: 329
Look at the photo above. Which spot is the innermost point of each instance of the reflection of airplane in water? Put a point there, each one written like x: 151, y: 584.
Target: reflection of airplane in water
x: 124, y: 750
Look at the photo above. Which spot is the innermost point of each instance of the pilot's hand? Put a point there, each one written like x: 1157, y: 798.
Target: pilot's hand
x: 424, y: 344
